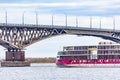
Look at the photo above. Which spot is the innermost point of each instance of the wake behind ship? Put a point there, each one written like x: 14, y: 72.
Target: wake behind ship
x: 103, y: 55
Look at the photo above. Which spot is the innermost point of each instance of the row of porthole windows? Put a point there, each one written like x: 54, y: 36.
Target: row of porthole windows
x: 109, y: 47
x: 111, y: 60
x: 110, y: 51
x: 108, y: 56
x: 78, y: 52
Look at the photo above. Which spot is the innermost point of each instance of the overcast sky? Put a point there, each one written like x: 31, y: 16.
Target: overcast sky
x: 105, y: 10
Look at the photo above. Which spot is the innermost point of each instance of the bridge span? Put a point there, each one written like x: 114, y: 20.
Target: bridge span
x: 15, y: 37
x: 19, y: 36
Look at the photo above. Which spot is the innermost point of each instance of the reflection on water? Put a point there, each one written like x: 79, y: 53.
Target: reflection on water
x: 52, y: 72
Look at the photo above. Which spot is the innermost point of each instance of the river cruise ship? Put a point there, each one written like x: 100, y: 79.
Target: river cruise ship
x: 105, y: 54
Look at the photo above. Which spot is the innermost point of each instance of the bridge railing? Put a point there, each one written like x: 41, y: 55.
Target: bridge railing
x: 60, y: 20
x: 55, y: 26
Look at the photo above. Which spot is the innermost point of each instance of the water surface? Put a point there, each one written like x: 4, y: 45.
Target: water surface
x: 52, y: 72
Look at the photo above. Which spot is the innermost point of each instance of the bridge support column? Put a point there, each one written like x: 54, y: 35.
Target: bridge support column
x: 15, y: 58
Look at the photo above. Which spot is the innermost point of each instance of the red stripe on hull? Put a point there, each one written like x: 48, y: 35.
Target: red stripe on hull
x: 68, y: 63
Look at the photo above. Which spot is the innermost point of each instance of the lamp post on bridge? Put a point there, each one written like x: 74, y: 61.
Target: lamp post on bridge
x: 52, y: 20
x: 76, y: 21
x: 114, y: 23
x: 36, y: 18
x: 66, y: 20
x: 23, y: 17
x: 6, y: 16
x: 90, y: 21
x: 100, y: 22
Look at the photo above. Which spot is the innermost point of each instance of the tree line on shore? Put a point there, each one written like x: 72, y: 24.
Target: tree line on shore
x: 41, y: 60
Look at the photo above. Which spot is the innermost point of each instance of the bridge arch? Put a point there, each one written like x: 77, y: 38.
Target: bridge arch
x: 18, y: 36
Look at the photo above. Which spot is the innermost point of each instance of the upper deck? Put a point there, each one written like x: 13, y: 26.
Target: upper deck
x: 101, y: 49
x: 100, y: 46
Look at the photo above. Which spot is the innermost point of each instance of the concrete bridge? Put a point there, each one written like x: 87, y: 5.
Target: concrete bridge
x: 15, y: 37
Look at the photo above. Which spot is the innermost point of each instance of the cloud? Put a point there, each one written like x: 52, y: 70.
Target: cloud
x: 76, y: 4
x: 77, y: 7
x: 39, y: 5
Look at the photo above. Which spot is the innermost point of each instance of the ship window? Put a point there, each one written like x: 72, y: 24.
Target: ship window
x: 100, y: 47
x: 112, y: 47
x: 58, y: 56
x: 118, y: 60
x: 61, y: 53
x: 74, y: 61
x: 107, y: 60
x: 82, y: 47
x: 70, y: 60
x: 103, y: 47
x: 106, y: 51
x: 74, y: 48
x: 79, y: 48
x: 118, y: 51
x: 100, y: 52
x: 83, y: 60
x: 79, y: 60
x: 74, y: 52
x: 107, y: 47
x: 111, y: 60
x: 118, y: 46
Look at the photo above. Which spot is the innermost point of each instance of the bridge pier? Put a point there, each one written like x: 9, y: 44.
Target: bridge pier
x: 15, y: 58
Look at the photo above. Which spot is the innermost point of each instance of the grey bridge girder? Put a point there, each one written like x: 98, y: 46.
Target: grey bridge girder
x: 110, y: 35
x: 7, y: 45
x: 18, y: 36
x: 46, y: 33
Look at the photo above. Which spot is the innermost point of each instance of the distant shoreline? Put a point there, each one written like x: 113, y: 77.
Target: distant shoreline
x: 41, y: 60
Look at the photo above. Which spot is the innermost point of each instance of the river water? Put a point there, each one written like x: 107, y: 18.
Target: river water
x: 52, y: 72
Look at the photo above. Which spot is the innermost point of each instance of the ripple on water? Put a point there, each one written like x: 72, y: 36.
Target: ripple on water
x: 52, y: 72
